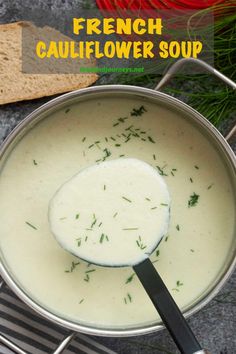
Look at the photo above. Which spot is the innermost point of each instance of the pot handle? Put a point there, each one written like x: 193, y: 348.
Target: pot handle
x: 178, y: 65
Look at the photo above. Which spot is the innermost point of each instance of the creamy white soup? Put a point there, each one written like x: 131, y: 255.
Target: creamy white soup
x: 113, y: 213
x: 189, y: 258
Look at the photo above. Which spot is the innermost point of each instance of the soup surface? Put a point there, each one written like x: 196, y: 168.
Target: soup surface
x: 113, y: 213
x: 189, y: 258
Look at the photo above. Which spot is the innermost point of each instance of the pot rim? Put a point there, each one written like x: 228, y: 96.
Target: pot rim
x: 118, y: 89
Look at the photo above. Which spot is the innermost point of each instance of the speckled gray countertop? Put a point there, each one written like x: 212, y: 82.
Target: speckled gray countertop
x: 215, y: 325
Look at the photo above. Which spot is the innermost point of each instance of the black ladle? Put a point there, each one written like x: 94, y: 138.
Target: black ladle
x: 167, y: 309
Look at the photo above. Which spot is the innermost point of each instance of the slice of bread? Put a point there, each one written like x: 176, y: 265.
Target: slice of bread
x: 17, y: 86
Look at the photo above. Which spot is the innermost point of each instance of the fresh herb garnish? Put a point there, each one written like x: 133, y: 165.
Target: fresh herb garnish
x: 178, y: 285
x: 191, y: 180
x: 140, y: 244
x: 131, y: 228
x: 29, y: 224
x: 193, y: 200
x: 104, y: 187
x: 67, y: 110
x: 138, y: 111
x: 84, y: 139
x: 151, y: 139
x: 210, y: 186
x: 115, y: 215
x: 82, y: 300
x: 177, y: 227
x: 72, y: 268
x: 197, y: 168
x: 79, y: 241
x: 129, y: 279
x: 154, y: 157
x: 35, y: 162
x: 128, y: 200
x: 161, y: 171
x: 77, y: 216
x: 164, y: 204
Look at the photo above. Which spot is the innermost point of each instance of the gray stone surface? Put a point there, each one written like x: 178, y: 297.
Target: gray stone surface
x: 215, y: 325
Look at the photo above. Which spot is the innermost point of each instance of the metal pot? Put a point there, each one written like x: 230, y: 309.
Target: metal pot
x: 212, y: 134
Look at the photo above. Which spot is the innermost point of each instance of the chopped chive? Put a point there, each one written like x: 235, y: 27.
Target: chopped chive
x: 112, y: 138
x: 77, y: 216
x: 35, y: 163
x: 129, y: 297
x: 122, y: 155
x: 153, y: 208
x: 191, y: 180
x: 84, y: 138
x: 197, y: 168
x: 161, y: 171
x: 129, y: 279
x: 192, y: 250
x: 148, y: 199
x: 29, y: 224
x: 154, y: 157
x: 138, y: 111
x: 114, y: 125
x: 107, y: 238
x: 125, y: 300
x: 128, y: 200
x: 87, y: 278
x: 81, y: 301
x: 151, y: 139
x: 166, y: 239
x: 163, y: 204
x: 67, y: 110
x: 115, y: 215
x: 131, y: 228
x: 193, y: 200
x: 106, y: 139
x: 104, y: 187
x: 63, y: 218
x: 210, y: 186
x: 90, y: 146
x: 88, y: 229
x: 78, y: 241
x: 86, y: 238
x: 117, y: 145
x: 101, y: 238
x: 177, y: 227
x: 140, y: 243
x: 157, y: 253
x: 178, y: 283
x: 100, y: 224
x: 90, y: 271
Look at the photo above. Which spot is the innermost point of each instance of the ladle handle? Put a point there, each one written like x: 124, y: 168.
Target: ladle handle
x: 167, y: 308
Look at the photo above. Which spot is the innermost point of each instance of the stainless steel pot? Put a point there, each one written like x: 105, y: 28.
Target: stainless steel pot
x: 195, y: 118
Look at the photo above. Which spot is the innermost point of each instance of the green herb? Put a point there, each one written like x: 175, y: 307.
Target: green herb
x: 122, y: 155
x: 153, y: 208
x: 197, y: 168
x: 67, y: 110
x: 63, y: 218
x: 129, y: 279
x: 193, y: 200
x: 210, y: 186
x: 87, y: 278
x: 151, y: 139
x: 72, y: 268
x: 166, y: 238
x: 178, y: 283
x: 157, y: 253
x: 129, y: 297
x: 107, y: 154
x: 117, y: 145
x: 77, y: 216
x: 81, y: 301
x: 104, y: 187
x: 161, y: 171
x: 112, y: 138
x: 90, y: 146
x: 35, y: 163
x: 148, y: 199
x: 140, y: 244
x: 154, y: 157
x: 79, y: 241
x: 90, y: 271
x: 100, y: 224
x: 177, y: 227
x: 84, y: 139
x: 131, y: 228
x: 138, y: 111
x: 192, y: 250
x: 128, y: 200
x: 163, y: 204
x: 191, y: 180
x: 114, y: 125
x: 29, y: 224
x: 86, y: 238
x: 115, y: 215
